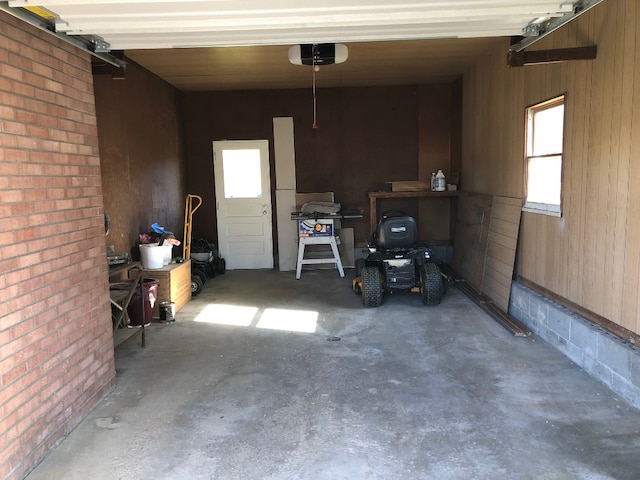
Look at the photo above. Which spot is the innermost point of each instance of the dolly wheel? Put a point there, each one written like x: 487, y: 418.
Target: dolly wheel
x: 200, y: 274
x: 196, y: 285
x: 371, y: 287
x: 432, y: 286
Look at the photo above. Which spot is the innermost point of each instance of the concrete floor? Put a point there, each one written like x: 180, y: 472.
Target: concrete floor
x: 399, y: 392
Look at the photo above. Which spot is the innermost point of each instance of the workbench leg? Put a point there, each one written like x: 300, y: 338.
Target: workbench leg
x: 373, y: 219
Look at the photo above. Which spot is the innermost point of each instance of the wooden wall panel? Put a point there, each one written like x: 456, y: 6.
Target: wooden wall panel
x: 434, y: 153
x: 365, y: 138
x: 589, y: 255
x: 631, y: 143
x: 471, y: 233
x: 493, y: 136
x: 502, y: 240
x: 141, y: 156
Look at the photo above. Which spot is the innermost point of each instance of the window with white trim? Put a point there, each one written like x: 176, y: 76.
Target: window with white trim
x: 544, y: 137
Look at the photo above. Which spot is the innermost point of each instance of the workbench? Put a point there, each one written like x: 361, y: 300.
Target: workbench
x: 374, y: 196
x: 120, y: 299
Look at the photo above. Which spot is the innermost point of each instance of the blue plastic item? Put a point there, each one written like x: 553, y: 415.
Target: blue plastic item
x: 158, y: 229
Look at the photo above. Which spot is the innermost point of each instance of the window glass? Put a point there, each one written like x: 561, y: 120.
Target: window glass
x: 242, y: 174
x: 544, y: 180
x: 545, y: 135
x: 547, y: 131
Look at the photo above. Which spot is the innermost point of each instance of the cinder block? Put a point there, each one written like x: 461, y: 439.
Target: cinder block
x: 515, y: 312
x: 520, y: 298
x: 539, y: 309
x: 615, y: 354
x: 575, y: 354
x: 597, y: 370
x: 627, y: 390
x: 634, y: 368
x: 559, y: 320
x: 550, y: 336
x: 531, y: 323
x: 584, y: 337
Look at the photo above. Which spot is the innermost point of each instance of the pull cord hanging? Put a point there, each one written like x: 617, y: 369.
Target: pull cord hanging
x: 313, y: 76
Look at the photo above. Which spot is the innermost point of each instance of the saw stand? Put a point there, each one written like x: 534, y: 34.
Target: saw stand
x: 319, y: 240
x: 317, y: 231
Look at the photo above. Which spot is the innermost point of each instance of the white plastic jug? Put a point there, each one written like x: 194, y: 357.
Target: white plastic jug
x: 441, y: 184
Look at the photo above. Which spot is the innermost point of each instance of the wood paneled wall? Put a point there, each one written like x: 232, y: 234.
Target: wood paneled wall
x: 141, y: 155
x: 591, y: 255
x: 365, y: 138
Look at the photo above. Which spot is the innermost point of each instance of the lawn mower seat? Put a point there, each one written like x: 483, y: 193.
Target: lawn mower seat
x: 396, y: 232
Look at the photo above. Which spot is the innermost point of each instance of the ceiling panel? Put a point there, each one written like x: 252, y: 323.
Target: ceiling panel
x: 409, y: 62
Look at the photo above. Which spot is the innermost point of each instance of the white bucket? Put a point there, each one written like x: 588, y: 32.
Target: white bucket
x: 152, y: 256
x: 167, y: 250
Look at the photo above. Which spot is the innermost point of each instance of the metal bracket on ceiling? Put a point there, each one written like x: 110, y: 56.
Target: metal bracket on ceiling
x: 536, y: 57
x: 100, y: 45
x: 104, y: 68
x: 92, y: 44
x: 543, y: 26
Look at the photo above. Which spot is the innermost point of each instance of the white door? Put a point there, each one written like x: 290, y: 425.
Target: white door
x: 243, y: 203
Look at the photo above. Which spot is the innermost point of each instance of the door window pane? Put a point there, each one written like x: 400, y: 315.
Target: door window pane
x: 242, y: 175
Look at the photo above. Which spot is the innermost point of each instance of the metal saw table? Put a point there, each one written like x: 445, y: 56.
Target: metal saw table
x: 319, y: 229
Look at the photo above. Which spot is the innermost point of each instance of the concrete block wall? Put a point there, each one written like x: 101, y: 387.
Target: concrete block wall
x: 602, y: 354
x: 56, y: 345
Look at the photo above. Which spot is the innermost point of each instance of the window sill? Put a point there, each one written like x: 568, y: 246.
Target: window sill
x: 543, y: 209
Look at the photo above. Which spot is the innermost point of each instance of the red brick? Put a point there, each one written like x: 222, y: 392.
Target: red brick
x: 8, y: 140
x: 16, y: 155
x: 12, y: 72
x: 24, y: 90
x: 10, y: 376
x: 7, y: 112
x: 10, y: 196
x: 37, y: 131
x: 15, y: 128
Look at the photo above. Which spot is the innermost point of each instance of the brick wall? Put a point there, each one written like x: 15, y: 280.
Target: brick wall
x: 56, y: 349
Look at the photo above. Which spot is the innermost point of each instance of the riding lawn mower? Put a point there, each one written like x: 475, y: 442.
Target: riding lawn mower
x: 396, y: 262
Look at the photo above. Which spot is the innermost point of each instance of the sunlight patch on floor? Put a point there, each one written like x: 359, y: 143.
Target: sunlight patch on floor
x: 221, y: 314
x: 290, y: 320
x: 304, y: 321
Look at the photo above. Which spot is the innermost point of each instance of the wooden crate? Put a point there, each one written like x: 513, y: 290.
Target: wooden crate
x: 174, y: 284
x: 410, y: 186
